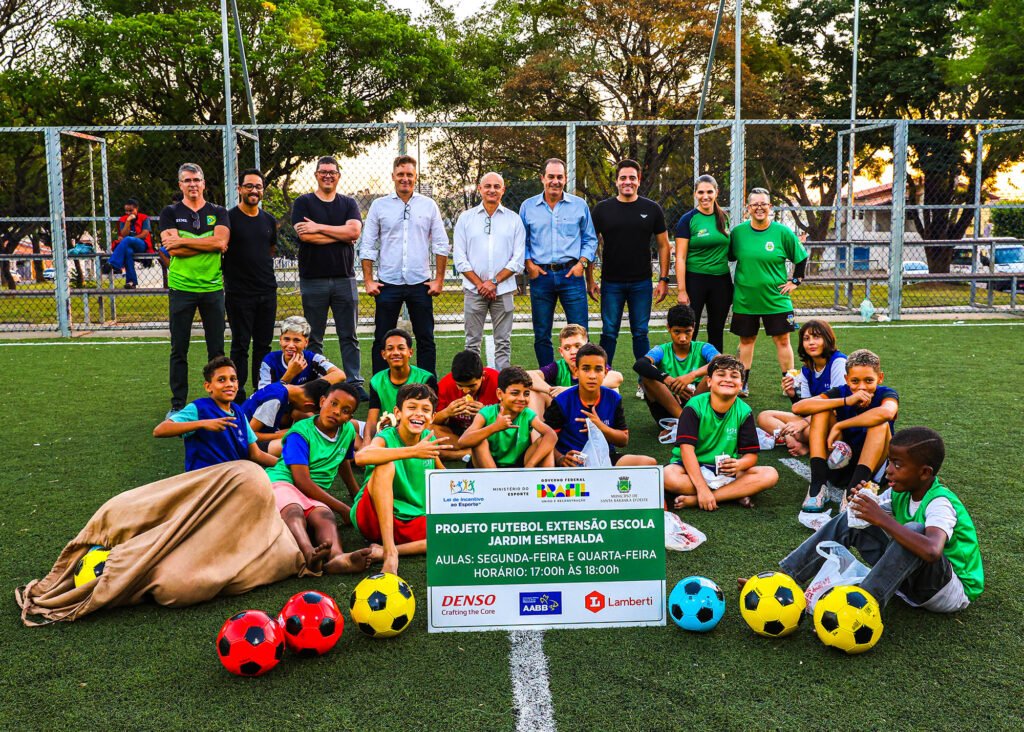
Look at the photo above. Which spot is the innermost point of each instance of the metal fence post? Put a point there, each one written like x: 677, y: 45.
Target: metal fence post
x: 978, y: 153
x: 899, y: 218
x: 106, y: 231
x: 403, y: 139
x: 736, y: 175
x: 58, y: 244
x: 570, y: 159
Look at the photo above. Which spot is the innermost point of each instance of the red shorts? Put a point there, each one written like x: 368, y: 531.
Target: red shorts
x: 369, y: 524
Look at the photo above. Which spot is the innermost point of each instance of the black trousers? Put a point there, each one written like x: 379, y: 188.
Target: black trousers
x: 183, y: 306
x: 252, y: 319
x: 714, y: 292
x: 421, y: 314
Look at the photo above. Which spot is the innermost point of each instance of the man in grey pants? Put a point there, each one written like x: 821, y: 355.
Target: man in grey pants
x: 490, y: 247
x: 329, y: 224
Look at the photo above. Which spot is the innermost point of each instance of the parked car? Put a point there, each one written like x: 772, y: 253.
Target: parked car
x: 913, y: 267
x: 49, y: 273
x: 1009, y: 259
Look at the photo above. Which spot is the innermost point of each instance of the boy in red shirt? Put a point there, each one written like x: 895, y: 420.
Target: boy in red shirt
x: 460, y: 396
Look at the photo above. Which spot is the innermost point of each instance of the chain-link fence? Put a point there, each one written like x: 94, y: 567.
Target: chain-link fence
x: 921, y: 216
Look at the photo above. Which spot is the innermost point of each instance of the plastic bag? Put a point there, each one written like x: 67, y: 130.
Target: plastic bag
x: 596, y: 449
x: 814, y: 521
x: 680, y: 536
x: 840, y: 568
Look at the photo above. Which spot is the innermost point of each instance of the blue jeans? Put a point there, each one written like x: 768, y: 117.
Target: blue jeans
x: 639, y: 296
x: 545, y: 292
x: 340, y: 296
x: 123, y: 257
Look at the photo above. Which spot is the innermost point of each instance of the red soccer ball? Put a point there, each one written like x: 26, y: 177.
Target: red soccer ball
x: 250, y: 643
x: 312, y: 623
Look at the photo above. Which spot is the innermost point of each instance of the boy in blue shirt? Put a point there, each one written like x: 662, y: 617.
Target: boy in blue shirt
x: 294, y: 363
x: 570, y: 410
x: 271, y: 410
x: 214, y: 429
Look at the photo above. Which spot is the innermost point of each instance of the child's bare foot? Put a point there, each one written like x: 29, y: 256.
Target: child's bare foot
x: 390, y: 564
x: 685, y: 502
x: 349, y: 563
x: 745, y: 502
x: 315, y: 560
x: 376, y: 553
x: 740, y: 581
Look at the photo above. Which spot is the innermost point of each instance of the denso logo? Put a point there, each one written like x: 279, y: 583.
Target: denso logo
x: 468, y: 600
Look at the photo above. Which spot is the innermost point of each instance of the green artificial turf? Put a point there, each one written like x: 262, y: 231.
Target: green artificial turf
x: 77, y: 431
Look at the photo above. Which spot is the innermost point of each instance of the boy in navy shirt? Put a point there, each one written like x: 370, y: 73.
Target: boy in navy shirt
x: 272, y: 410
x: 861, y: 413
x: 214, y: 429
x: 294, y: 363
x: 588, y: 400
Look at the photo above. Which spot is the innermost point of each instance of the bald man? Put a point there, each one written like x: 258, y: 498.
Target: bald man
x: 490, y: 247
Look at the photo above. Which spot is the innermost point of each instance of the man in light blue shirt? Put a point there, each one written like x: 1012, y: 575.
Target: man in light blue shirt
x: 490, y: 243
x: 560, y: 245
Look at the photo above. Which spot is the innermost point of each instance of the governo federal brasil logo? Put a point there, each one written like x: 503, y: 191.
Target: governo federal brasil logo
x: 562, y: 489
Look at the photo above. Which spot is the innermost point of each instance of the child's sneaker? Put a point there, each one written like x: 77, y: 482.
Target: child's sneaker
x: 815, y: 504
x: 640, y: 392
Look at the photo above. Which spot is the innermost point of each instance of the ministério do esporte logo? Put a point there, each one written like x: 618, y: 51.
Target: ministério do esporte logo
x: 540, y: 603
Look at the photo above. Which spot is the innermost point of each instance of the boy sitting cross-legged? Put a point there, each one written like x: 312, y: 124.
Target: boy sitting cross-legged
x: 294, y: 363
x: 314, y: 451
x: 716, y: 457
x: 572, y: 408
x: 391, y: 507
x: 214, y: 428
x: 384, y: 385
x: 460, y: 396
x: 500, y: 433
x: 554, y: 378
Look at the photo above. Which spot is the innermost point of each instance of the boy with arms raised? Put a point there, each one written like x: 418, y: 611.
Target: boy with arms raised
x: 460, y: 397
x: 571, y: 408
x: 384, y: 385
x: 500, y: 435
x: 295, y: 363
x: 717, y: 445
x: 314, y: 450
x: 214, y: 428
x: 861, y: 413
x: 391, y: 507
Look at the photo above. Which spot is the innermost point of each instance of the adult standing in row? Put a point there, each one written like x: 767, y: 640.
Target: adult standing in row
x: 402, y: 230
x: 328, y: 224
x: 250, y: 287
x: 490, y: 244
x: 560, y: 245
x: 761, y: 248
x: 626, y: 224
x: 195, y: 234
x: 702, y: 260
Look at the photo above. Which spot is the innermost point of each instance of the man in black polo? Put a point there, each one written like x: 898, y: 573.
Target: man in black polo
x: 328, y: 225
x: 249, y: 283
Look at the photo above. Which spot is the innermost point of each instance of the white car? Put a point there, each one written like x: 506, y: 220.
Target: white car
x: 49, y: 273
x: 914, y: 267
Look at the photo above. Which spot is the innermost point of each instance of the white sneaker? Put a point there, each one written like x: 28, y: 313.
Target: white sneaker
x: 640, y: 392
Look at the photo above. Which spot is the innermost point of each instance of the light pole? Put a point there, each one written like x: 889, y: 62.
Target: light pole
x: 229, y: 130
x: 853, y: 146
x: 737, y: 164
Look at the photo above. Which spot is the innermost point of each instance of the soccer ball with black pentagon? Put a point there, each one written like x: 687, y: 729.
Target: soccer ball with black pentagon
x: 696, y: 603
x: 847, y: 617
x: 772, y: 604
x: 250, y: 643
x: 382, y: 605
x: 312, y: 623
x: 91, y: 565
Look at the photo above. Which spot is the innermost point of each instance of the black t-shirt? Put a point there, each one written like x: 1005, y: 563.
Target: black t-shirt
x: 628, y: 230
x: 193, y: 223
x: 248, y: 264
x: 326, y: 260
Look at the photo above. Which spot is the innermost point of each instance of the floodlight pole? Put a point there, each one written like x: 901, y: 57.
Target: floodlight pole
x: 230, y: 163
x: 853, y: 136
x: 737, y: 172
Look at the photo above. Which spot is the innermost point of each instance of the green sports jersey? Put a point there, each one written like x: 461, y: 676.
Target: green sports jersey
x: 325, y: 455
x: 509, y: 446
x: 564, y: 377
x: 962, y: 549
x: 409, y: 485
x: 761, y: 258
x: 387, y: 390
x: 198, y: 273
x: 716, y: 435
x: 672, y: 365
x: 708, y: 251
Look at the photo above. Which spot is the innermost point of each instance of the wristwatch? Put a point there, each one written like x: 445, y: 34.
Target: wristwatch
x: 664, y: 279
x: 494, y: 280
x: 796, y: 280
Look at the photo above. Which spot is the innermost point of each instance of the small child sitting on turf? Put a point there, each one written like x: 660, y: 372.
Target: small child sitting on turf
x: 861, y: 413
x: 925, y: 549
x: 571, y: 408
x: 272, y: 409
x: 214, y: 428
x: 716, y: 456
x: 824, y: 367
x: 673, y: 372
x: 391, y: 507
x: 554, y: 378
x: 500, y: 433
x: 294, y: 363
x: 384, y: 385
x: 314, y: 452
x: 460, y: 396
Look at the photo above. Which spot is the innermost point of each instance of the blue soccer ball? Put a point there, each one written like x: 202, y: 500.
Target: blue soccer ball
x: 696, y: 604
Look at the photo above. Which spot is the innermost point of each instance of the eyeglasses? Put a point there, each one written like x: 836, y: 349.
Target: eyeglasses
x: 195, y: 220
x: 487, y: 226
x: 759, y: 205
x: 327, y: 173
x: 190, y: 180
x: 406, y: 212
x: 252, y: 186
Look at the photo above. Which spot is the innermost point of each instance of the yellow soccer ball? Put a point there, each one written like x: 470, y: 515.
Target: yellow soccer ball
x: 772, y: 604
x: 91, y: 565
x: 382, y: 605
x: 848, y: 618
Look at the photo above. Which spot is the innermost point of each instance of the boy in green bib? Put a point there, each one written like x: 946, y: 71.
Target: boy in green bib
x: 384, y: 385
x: 391, y: 507
x: 500, y: 435
x: 716, y: 455
x: 925, y: 550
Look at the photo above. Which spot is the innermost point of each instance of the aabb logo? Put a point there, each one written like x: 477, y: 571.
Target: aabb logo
x: 468, y: 600
x: 595, y: 602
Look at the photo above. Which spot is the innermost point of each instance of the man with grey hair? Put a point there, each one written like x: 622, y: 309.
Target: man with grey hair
x: 195, y: 233
x: 490, y: 247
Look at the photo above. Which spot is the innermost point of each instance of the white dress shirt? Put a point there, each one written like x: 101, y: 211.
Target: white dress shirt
x: 400, y: 238
x: 485, y: 253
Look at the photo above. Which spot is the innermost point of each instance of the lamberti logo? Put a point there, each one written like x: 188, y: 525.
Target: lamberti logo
x: 569, y: 489
x: 468, y: 600
x: 540, y: 603
x: 595, y: 601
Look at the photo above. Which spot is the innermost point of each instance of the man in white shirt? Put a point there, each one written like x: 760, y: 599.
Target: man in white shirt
x: 490, y: 246
x: 401, y: 232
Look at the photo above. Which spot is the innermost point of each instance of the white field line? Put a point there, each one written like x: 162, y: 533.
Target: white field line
x: 489, y: 351
x: 531, y: 692
x: 797, y: 467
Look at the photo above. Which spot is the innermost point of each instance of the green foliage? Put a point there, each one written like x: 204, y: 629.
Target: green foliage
x: 996, y: 57
x: 1008, y: 221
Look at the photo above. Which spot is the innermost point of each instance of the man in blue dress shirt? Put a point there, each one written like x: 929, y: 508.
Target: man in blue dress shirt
x: 560, y: 245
